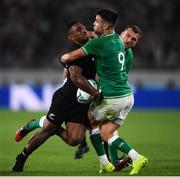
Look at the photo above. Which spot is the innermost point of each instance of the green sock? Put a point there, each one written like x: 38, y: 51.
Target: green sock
x: 33, y: 125
x: 113, y: 151
x: 120, y: 144
x: 97, y: 144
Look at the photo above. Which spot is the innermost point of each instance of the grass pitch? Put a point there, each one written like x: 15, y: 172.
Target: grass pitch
x: 154, y: 134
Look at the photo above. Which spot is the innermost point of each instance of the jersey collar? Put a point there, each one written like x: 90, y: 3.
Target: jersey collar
x: 110, y: 34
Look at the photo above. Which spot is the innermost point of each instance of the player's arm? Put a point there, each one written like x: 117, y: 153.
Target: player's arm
x: 90, y: 48
x: 71, y: 56
x: 81, y: 82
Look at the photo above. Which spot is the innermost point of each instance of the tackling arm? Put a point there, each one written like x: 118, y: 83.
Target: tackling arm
x: 81, y: 82
x: 71, y: 56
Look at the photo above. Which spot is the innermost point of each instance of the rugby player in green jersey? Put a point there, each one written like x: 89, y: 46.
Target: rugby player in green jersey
x: 130, y: 37
x: 108, y: 114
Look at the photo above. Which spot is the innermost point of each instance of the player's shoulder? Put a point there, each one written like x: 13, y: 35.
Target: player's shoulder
x: 94, y: 40
x: 113, y: 35
x: 91, y: 44
x: 129, y: 52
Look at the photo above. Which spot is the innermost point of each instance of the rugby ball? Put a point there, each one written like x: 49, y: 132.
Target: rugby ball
x: 84, y: 97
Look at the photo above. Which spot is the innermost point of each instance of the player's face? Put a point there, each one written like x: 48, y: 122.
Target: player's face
x: 98, y: 25
x: 78, y: 33
x: 92, y: 34
x: 129, y: 37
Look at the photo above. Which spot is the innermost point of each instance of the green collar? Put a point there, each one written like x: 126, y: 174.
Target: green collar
x: 110, y: 34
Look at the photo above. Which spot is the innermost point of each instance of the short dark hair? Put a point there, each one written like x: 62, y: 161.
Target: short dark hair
x: 108, y: 15
x: 135, y: 28
x: 72, y: 23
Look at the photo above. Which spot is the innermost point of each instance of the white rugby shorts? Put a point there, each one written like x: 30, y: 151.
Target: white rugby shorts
x: 115, y: 109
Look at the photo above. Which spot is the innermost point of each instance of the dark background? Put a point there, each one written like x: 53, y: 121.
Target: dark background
x: 33, y: 32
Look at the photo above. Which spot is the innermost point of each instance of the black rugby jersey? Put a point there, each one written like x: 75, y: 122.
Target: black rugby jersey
x: 87, y: 66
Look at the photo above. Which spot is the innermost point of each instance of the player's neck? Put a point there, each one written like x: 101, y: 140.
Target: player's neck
x: 107, y: 32
x: 80, y: 43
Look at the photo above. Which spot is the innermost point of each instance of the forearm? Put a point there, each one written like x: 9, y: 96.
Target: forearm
x: 71, y: 56
x: 82, y: 83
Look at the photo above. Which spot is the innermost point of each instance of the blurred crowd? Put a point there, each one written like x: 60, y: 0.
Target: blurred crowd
x: 34, y: 33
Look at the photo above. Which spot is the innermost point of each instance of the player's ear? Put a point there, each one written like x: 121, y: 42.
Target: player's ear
x: 70, y: 37
x: 122, y: 34
x: 106, y: 26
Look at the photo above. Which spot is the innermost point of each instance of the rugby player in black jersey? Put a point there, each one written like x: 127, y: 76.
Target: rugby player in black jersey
x: 64, y: 106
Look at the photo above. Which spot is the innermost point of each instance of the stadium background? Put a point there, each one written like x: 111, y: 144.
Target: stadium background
x: 33, y: 36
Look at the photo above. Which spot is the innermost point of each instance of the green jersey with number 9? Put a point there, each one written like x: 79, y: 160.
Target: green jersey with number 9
x: 109, y: 54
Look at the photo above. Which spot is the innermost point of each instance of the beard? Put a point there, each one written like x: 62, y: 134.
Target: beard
x: 98, y: 33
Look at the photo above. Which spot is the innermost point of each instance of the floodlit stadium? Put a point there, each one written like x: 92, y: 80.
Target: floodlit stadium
x: 33, y: 35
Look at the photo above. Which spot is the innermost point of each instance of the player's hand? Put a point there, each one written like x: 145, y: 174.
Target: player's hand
x: 64, y: 59
x: 96, y: 95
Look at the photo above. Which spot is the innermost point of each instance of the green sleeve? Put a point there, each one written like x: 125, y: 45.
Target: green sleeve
x: 91, y: 47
